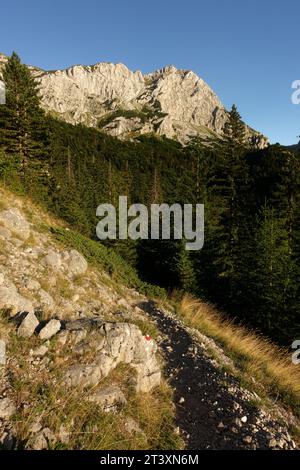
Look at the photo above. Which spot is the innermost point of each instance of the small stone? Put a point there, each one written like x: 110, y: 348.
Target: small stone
x: 244, y: 419
x: 39, y: 352
x: 31, y: 284
x: 2, y: 352
x: 52, y: 327
x: 247, y: 439
x: 132, y: 427
x: 181, y: 400
x: 221, y: 425
x: 281, y: 443
x: 237, y: 422
x: 272, y: 443
x: 236, y: 406
x: 7, y: 408
x: 39, y: 442
x: 28, y: 326
x: 51, y: 439
x: 64, y: 434
x: 35, y: 427
x: 293, y: 444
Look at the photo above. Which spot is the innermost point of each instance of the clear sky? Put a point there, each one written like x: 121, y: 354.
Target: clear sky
x: 248, y: 51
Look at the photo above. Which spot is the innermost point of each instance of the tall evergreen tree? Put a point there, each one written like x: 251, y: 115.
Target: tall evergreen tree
x: 23, y: 129
x: 234, y: 128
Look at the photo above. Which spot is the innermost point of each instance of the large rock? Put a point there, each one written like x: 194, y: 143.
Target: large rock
x: 46, y: 300
x: 83, y: 375
x: 50, y: 329
x: 52, y: 260
x: 28, y: 326
x: 13, y: 220
x: 11, y: 300
x: 119, y: 342
x: 43, y: 440
x: 76, y: 264
x: 148, y: 375
x: 7, y: 408
x: 109, y: 398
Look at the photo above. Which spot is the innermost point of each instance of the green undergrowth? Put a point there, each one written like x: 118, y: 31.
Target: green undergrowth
x: 107, y: 259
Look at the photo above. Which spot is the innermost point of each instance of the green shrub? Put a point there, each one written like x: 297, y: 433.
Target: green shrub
x: 107, y: 259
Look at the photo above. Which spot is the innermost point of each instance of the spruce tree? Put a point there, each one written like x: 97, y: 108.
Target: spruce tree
x: 23, y: 131
x: 272, y: 276
x: 234, y: 128
x: 184, y: 269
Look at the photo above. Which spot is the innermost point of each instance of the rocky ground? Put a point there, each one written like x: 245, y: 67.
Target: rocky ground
x: 63, y: 319
x: 65, y: 327
x: 213, y: 410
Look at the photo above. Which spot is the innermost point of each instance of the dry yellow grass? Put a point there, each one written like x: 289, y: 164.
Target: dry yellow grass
x: 31, y: 209
x: 274, y: 374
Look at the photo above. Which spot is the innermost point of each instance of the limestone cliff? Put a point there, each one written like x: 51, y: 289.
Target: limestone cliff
x: 171, y: 102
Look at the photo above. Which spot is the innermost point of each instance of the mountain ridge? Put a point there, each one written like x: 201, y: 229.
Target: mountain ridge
x: 126, y: 104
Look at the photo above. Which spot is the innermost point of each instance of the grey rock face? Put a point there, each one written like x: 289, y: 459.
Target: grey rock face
x: 171, y: 102
x: 119, y: 342
x: 28, y: 326
x: 49, y: 330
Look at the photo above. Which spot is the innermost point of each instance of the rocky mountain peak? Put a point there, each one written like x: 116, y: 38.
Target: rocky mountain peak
x: 171, y: 102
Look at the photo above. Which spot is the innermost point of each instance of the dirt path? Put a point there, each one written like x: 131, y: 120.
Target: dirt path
x: 212, y: 411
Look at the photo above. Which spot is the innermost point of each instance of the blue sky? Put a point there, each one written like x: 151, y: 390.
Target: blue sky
x: 247, y: 51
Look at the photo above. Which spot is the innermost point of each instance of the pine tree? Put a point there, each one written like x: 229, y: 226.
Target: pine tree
x: 23, y: 129
x: 234, y: 128
x: 230, y: 193
x: 184, y: 269
x: 272, y: 275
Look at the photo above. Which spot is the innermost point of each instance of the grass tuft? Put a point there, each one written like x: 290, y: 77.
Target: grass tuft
x: 255, y: 357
